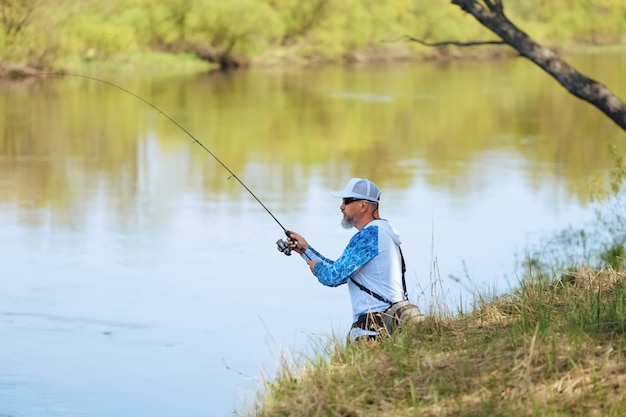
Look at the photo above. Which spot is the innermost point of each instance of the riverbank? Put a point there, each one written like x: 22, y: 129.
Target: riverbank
x: 173, y: 62
x: 138, y: 63
x: 552, y: 347
x: 162, y: 61
x: 16, y: 71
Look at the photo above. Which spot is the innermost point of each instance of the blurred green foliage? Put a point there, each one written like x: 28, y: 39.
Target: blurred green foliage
x: 587, y: 21
x: 52, y: 32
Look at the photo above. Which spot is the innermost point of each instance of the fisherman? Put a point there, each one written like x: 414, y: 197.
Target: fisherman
x: 372, y: 264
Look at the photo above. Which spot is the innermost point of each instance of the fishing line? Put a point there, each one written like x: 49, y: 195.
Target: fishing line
x: 282, y: 245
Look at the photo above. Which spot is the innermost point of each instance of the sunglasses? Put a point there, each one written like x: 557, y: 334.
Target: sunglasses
x: 349, y: 200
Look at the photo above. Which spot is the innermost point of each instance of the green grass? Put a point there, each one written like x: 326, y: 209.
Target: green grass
x: 151, y: 62
x: 553, y: 347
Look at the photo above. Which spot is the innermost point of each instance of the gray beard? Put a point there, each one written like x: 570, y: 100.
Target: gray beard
x: 347, y: 222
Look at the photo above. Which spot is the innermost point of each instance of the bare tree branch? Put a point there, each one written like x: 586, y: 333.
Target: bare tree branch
x: 455, y: 43
x: 500, y: 6
x: 576, y: 83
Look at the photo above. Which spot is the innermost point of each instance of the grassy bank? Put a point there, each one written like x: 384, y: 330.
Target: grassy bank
x: 553, y: 347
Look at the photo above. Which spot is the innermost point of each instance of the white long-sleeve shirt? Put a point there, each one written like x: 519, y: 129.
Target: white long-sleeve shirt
x: 372, y: 258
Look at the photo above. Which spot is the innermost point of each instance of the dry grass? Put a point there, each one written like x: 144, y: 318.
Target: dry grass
x: 550, y: 348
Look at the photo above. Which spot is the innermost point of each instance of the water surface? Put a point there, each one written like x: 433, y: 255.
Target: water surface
x: 139, y: 278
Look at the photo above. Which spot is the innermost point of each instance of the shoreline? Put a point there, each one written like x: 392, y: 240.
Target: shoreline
x: 157, y: 61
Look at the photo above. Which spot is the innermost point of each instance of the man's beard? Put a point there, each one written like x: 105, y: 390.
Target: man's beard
x: 347, y: 222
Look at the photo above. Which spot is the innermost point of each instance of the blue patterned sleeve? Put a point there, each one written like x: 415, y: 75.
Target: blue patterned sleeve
x: 362, y: 248
x: 311, y: 255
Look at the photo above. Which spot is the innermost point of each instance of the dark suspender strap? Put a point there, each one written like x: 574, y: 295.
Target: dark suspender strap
x: 380, y: 297
x: 370, y: 292
x: 406, y: 294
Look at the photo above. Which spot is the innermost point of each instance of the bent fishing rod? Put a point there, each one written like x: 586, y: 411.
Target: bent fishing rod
x: 283, y: 246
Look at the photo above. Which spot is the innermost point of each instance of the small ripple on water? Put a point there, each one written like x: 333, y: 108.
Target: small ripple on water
x: 9, y: 316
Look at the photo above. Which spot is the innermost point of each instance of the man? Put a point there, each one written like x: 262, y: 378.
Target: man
x: 371, y: 264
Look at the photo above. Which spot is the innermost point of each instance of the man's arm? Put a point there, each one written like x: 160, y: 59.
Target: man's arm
x: 362, y: 248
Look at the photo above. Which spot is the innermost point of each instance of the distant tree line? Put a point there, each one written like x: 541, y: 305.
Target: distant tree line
x: 51, y: 33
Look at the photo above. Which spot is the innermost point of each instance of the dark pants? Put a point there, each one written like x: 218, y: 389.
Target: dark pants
x: 372, y: 321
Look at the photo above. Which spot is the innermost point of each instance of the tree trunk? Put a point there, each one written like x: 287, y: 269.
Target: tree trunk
x: 492, y: 16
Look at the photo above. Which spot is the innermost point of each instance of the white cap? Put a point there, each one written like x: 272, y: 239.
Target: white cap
x: 359, y: 188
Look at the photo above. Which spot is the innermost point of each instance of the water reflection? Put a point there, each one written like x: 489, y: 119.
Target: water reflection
x: 138, y: 276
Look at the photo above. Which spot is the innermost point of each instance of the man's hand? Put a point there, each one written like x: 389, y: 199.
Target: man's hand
x: 297, y: 242
x: 312, y: 265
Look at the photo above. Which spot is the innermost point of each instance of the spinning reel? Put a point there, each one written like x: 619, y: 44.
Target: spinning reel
x: 283, y: 247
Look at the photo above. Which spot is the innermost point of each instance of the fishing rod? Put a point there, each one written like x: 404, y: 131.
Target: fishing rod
x: 283, y: 246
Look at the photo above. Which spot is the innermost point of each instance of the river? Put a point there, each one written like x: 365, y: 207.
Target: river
x: 140, y: 278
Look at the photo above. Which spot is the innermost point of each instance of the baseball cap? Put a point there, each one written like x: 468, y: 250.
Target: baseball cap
x: 360, y: 188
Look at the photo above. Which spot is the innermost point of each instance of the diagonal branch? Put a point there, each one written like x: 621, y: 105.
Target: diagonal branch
x: 576, y: 83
